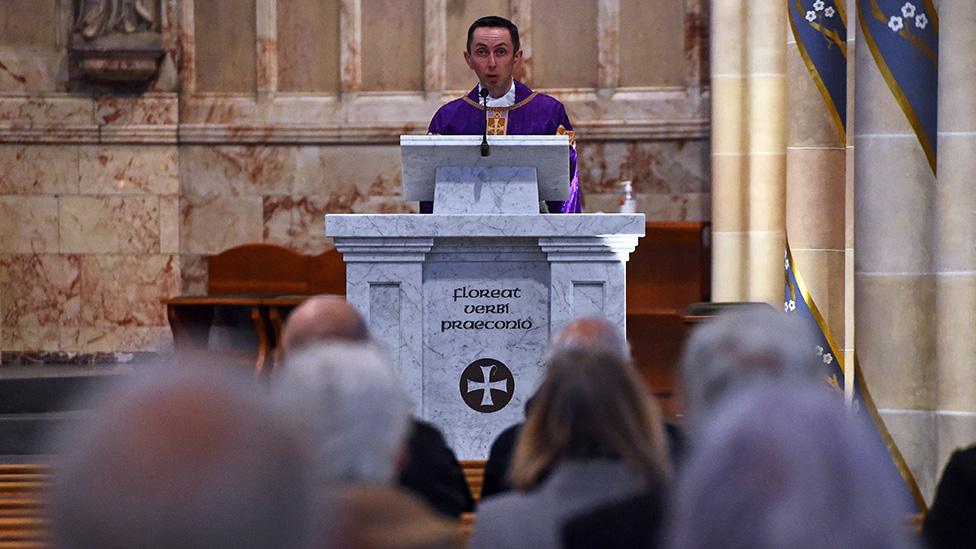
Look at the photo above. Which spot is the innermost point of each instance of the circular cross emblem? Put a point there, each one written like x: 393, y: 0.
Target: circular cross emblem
x: 487, y: 385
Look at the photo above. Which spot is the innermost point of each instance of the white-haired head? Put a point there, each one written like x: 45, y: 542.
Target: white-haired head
x: 738, y: 348
x: 347, y: 397
x: 783, y: 464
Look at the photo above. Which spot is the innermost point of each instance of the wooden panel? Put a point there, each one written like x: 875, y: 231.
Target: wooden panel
x: 31, y: 23
x: 308, y: 46
x: 460, y: 15
x: 669, y: 268
x: 327, y: 273
x: 564, y: 44
x: 668, y: 271
x: 652, y: 48
x: 225, y: 38
x: 393, y: 45
x: 258, y: 268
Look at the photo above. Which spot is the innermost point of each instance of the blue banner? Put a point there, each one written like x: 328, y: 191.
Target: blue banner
x: 820, y: 30
x: 798, y: 301
x: 903, y: 37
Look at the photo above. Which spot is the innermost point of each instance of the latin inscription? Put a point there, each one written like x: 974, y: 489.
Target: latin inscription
x: 501, y: 304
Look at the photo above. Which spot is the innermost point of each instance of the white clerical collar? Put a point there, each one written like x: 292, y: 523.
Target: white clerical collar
x: 506, y: 100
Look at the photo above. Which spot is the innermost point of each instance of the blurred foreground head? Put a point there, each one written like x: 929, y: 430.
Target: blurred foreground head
x: 739, y: 348
x: 182, y: 458
x: 782, y: 464
x: 346, y: 397
x: 322, y: 319
x: 591, y: 332
x: 591, y: 405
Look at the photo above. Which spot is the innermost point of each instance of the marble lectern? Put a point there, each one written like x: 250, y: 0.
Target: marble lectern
x: 465, y: 299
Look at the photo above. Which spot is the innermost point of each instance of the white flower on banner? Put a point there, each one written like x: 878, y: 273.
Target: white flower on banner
x: 819, y: 350
x: 921, y: 21
x: 791, y: 305
x: 811, y: 15
x: 786, y: 306
x: 908, y: 10
x: 786, y: 264
x: 818, y: 5
x: 895, y: 23
x: 829, y: 12
x: 828, y: 358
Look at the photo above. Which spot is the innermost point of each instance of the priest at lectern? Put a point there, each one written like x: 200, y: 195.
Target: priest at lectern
x: 509, y: 107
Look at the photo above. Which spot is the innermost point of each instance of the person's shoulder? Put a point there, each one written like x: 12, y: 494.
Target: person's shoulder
x: 449, y: 109
x: 963, y: 461
x: 538, y: 98
x: 548, y: 100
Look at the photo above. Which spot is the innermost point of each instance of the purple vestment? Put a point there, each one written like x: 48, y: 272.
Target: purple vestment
x: 533, y: 113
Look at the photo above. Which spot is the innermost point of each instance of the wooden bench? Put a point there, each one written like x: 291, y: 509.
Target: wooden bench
x: 23, y: 520
x: 264, y: 280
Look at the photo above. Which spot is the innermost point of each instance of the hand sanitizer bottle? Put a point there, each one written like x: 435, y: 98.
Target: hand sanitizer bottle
x: 627, y: 203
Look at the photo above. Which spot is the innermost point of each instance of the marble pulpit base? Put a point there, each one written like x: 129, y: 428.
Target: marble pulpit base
x: 465, y: 304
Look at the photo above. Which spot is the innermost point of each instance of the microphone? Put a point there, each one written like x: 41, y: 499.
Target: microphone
x: 484, y: 135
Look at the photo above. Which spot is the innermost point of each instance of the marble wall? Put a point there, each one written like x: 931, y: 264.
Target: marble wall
x: 269, y: 114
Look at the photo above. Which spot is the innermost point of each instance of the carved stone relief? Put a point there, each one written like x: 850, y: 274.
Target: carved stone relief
x: 117, y: 40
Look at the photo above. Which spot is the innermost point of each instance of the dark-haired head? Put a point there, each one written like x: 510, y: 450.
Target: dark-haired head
x: 494, y: 21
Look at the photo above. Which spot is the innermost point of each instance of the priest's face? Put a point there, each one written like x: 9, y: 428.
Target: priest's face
x: 492, y: 58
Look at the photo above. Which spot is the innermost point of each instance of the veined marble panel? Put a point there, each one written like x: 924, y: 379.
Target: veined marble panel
x: 220, y: 171
x: 125, y: 290
x: 47, y: 119
x: 120, y: 169
x: 149, y: 118
x: 109, y: 224
x: 655, y: 167
x: 212, y: 225
x: 193, y: 274
x: 347, y: 173
x: 388, y: 293
x: 32, y: 70
x: 169, y: 224
x: 40, y: 290
x: 30, y: 338
x: 112, y: 339
x: 38, y: 169
x: 295, y: 221
x: 28, y: 224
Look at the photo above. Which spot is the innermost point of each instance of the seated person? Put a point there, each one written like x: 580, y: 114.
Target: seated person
x: 781, y: 463
x: 347, y: 399
x: 584, y: 333
x: 584, y: 445
x: 183, y: 457
x: 493, y: 51
x: 948, y: 522
x: 430, y: 469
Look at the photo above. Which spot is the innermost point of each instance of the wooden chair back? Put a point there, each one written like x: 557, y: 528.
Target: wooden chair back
x: 258, y: 269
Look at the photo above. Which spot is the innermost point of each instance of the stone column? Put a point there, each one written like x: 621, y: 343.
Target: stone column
x: 815, y: 192
x: 748, y: 150
x: 955, y: 230
x: 894, y: 189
